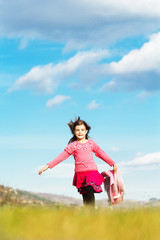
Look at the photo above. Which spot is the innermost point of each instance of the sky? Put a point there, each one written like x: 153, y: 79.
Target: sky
x: 95, y: 59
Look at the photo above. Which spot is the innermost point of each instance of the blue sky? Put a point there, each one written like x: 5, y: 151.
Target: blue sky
x: 95, y: 59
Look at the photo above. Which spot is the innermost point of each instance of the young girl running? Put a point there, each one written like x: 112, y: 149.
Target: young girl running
x: 87, y: 179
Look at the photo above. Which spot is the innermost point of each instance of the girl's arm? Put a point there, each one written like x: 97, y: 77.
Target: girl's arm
x: 61, y: 157
x: 101, y: 154
x: 43, y: 169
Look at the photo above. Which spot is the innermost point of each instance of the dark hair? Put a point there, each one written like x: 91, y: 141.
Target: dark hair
x: 72, y: 126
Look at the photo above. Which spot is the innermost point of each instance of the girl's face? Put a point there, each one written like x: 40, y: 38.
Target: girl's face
x: 80, y: 132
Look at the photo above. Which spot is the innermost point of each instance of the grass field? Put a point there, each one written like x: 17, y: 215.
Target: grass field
x: 66, y: 223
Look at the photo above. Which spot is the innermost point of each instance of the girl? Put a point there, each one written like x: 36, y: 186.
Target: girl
x: 87, y: 179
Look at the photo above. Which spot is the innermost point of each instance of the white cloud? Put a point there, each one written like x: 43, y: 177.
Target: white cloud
x: 148, y: 159
x: 48, y: 77
x: 39, y: 78
x: 57, y: 100
x: 109, y: 86
x: 93, y: 105
x: 139, y: 69
x: 146, y: 58
x: 79, y: 23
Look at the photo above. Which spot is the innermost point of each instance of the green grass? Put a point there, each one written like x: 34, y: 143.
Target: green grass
x: 66, y: 223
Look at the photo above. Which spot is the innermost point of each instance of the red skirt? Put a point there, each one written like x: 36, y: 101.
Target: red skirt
x: 83, y: 179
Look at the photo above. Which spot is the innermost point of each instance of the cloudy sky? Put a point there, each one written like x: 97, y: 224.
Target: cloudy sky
x: 96, y: 59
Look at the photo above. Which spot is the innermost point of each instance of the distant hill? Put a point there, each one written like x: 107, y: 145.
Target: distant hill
x: 11, y: 196
x: 61, y: 199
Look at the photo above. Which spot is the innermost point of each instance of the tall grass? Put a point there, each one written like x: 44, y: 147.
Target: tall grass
x: 66, y: 223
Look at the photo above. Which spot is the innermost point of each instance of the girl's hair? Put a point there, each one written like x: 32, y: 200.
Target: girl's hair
x: 72, y: 126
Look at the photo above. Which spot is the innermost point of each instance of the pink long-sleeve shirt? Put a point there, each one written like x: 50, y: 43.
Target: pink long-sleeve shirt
x: 83, y: 156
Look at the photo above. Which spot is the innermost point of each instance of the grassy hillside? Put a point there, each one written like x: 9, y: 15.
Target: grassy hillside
x: 26, y: 216
x: 66, y: 223
x: 11, y: 196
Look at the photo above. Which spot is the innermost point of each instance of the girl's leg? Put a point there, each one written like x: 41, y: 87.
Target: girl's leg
x: 89, y: 198
x: 84, y: 199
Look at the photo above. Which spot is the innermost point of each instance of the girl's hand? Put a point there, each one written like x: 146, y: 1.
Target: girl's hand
x: 40, y: 172
x: 43, y: 169
x: 115, y: 168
